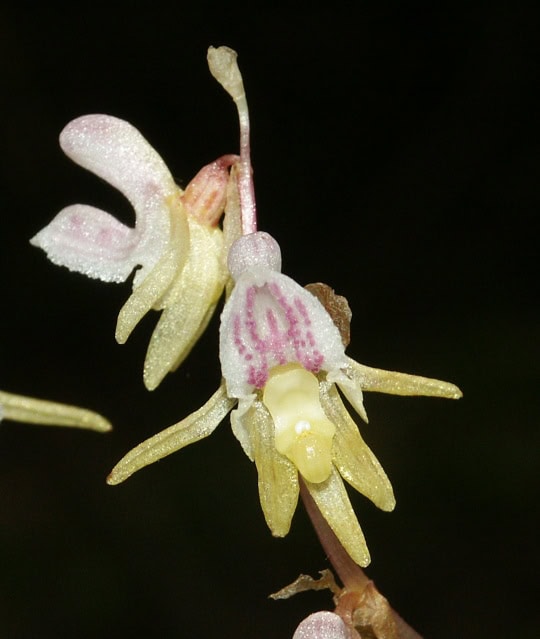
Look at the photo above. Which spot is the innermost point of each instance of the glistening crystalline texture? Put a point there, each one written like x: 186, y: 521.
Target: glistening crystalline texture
x: 175, y: 247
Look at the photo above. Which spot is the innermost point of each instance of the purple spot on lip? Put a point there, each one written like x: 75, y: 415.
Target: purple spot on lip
x: 273, y: 328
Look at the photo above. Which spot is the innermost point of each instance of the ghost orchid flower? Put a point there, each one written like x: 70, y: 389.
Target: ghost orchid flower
x: 175, y: 243
x: 30, y: 410
x: 283, y: 361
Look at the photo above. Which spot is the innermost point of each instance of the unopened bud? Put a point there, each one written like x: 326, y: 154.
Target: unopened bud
x: 204, y: 197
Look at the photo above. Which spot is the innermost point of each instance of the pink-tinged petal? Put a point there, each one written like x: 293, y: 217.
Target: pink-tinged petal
x: 115, y: 151
x: 89, y: 241
x: 322, y: 625
x: 271, y: 320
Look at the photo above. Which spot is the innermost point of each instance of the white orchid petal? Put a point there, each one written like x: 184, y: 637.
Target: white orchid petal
x: 115, y: 151
x: 271, y: 320
x: 89, y: 241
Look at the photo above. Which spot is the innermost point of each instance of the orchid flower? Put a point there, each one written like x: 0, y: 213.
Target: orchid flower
x: 283, y: 366
x: 283, y: 361
x: 20, y: 408
x: 175, y: 243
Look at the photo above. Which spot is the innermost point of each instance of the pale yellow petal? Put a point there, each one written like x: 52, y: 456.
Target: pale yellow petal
x: 198, y: 425
x: 151, y: 292
x: 333, y: 502
x: 351, y: 455
x: 374, y: 379
x: 20, y: 408
x: 188, y: 304
x: 278, y: 477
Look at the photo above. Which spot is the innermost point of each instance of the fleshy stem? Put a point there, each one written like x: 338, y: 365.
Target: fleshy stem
x: 224, y: 68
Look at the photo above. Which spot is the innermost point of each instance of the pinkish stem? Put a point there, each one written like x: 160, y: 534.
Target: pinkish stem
x: 245, y: 177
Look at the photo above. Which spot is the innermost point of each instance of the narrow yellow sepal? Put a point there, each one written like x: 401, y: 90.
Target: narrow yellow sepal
x: 151, y: 292
x: 352, y: 456
x: 393, y: 383
x: 20, y: 408
x: 196, y: 426
x: 333, y: 502
x: 188, y: 304
x: 277, y: 476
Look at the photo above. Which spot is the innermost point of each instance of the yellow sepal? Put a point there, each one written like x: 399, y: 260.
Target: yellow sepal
x: 188, y: 304
x: 351, y: 455
x: 20, y: 408
x: 333, y: 502
x: 193, y: 428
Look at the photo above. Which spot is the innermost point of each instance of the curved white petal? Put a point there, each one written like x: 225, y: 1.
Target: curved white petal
x: 270, y: 320
x: 115, y: 151
x: 89, y: 241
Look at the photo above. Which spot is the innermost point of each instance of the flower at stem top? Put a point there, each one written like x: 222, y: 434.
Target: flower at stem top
x: 175, y: 243
x: 30, y: 410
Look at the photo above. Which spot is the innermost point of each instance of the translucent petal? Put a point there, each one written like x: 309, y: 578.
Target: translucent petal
x: 151, y: 292
x: 115, y: 151
x: 351, y: 390
x: 196, y: 426
x: 271, y: 320
x: 278, y: 477
x: 351, y: 455
x: 240, y: 427
x: 89, y: 241
x: 374, y: 379
x: 333, y: 502
x: 188, y: 304
x: 20, y: 408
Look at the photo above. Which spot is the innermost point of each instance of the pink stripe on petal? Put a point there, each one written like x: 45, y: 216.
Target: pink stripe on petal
x: 271, y: 320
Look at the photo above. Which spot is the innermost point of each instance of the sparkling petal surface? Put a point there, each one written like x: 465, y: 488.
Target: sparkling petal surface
x: 20, y: 408
x: 352, y: 457
x: 278, y: 477
x: 376, y: 380
x: 333, y: 502
x: 89, y: 241
x: 189, y: 304
x: 115, y: 151
x: 270, y: 320
x: 196, y: 426
x: 322, y: 625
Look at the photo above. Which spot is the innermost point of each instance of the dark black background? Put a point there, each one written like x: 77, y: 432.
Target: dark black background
x: 396, y: 157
